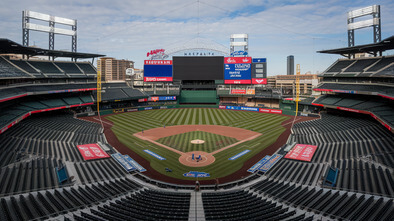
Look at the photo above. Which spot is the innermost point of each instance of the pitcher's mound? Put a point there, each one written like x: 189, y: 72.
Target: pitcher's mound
x: 187, y: 159
x: 197, y: 141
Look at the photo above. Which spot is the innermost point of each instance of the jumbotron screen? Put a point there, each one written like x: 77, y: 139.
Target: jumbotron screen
x: 198, y: 68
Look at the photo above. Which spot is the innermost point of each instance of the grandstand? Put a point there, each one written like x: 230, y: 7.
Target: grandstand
x: 46, y: 173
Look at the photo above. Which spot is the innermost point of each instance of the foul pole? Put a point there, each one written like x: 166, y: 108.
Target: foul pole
x: 99, y: 96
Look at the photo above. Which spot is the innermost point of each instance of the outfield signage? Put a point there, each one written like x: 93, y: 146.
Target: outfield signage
x: 272, y: 111
x: 159, y: 98
x: 123, y: 162
x: 271, y: 162
x: 134, y: 163
x: 302, y: 152
x: 222, y: 107
x: 157, y: 70
x: 259, y: 80
x: 242, y: 108
x: 237, y: 70
x: 196, y: 174
x: 259, y: 164
x: 154, y: 154
x: 243, y: 91
x: 92, y: 152
x: 239, y: 155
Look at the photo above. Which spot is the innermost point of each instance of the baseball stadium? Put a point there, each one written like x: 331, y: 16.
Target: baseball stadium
x: 195, y: 135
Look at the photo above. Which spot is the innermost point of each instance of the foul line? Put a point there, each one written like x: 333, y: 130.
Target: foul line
x: 181, y: 153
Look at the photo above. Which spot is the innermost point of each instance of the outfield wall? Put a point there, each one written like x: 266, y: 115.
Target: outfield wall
x: 237, y: 108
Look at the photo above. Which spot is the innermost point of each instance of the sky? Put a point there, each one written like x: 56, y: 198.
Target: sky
x: 128, y: 29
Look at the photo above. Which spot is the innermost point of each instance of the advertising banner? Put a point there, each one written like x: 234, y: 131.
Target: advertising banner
x: 154, y: 154
x: 196, y: 174
x: 302, y: 152
x: 157, y: 70
x: 239, y: 155
x: 251, y: 91
x: 238, y: 91
x: 271, y: 162
x: 272, y: 111
x: 134, y: 163
x: 242, y: 108
x: 259, y: 80
x: 237, y: 70
x: 259, y: 164
x: 92, y: 152
x: 123, y: 162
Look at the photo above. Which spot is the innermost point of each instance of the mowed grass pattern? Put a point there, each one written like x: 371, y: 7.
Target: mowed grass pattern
x: 183, y: 143
x: 126, y: 124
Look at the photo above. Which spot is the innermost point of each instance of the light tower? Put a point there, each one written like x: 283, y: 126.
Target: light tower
x: 239, y: 44
x: 297, y: 87
x: 375, y: 22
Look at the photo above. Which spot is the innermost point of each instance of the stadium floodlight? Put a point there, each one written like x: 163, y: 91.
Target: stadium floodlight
x: 363, y: 11
x: 239, y: 36
x: 52, y: 20
x: 375, y: 22
x: 239, y: 43
x: 235, y: 42
x: 363, y: 24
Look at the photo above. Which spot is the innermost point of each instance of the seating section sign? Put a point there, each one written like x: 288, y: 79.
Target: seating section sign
x: 92, y: 152
x: 302, y: 152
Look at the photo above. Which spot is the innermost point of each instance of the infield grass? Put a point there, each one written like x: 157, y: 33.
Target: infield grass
x: 183, y: 143
x: 126, y: 124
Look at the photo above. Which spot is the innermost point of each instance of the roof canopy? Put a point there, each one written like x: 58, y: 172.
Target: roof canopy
x: 10, y: 47
x: 386, y: 44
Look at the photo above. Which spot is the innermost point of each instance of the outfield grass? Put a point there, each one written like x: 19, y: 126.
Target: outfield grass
x: 127, y: 124
x: 183, y: 143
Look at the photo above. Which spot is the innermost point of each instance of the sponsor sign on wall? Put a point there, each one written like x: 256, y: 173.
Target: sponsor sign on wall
x: 237, y: 70
x: 243, y: 91
x: 242, y: 108
x: 272, y: 111
x: 259, y: 80
x: 259, y: 164
x: 196, y: 174
x: 302, y: 152
x: 92, y: 152
x: 271, y: 162
x: 123, y: 162
x: 157, y: 70
x: 161, y: 98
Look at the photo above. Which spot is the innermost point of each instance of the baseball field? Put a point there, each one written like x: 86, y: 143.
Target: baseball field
x: 222, y: 139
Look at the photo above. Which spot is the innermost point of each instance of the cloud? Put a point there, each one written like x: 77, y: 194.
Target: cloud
x: 128, y: 29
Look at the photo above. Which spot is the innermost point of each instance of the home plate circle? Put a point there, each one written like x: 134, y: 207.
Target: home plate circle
x: 187, y: 159
x: 197, y: 141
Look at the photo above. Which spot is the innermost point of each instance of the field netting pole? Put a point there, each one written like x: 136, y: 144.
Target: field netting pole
x: 99, y: 96
x: 297, y: 92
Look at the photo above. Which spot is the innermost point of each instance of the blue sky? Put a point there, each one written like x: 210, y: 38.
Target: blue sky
x: 129, y: 29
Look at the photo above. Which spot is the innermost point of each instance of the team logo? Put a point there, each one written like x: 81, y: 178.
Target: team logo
x: 230, y: 60
x: 157, y: 54
x: 239, y: 53
x: 246, y: 60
